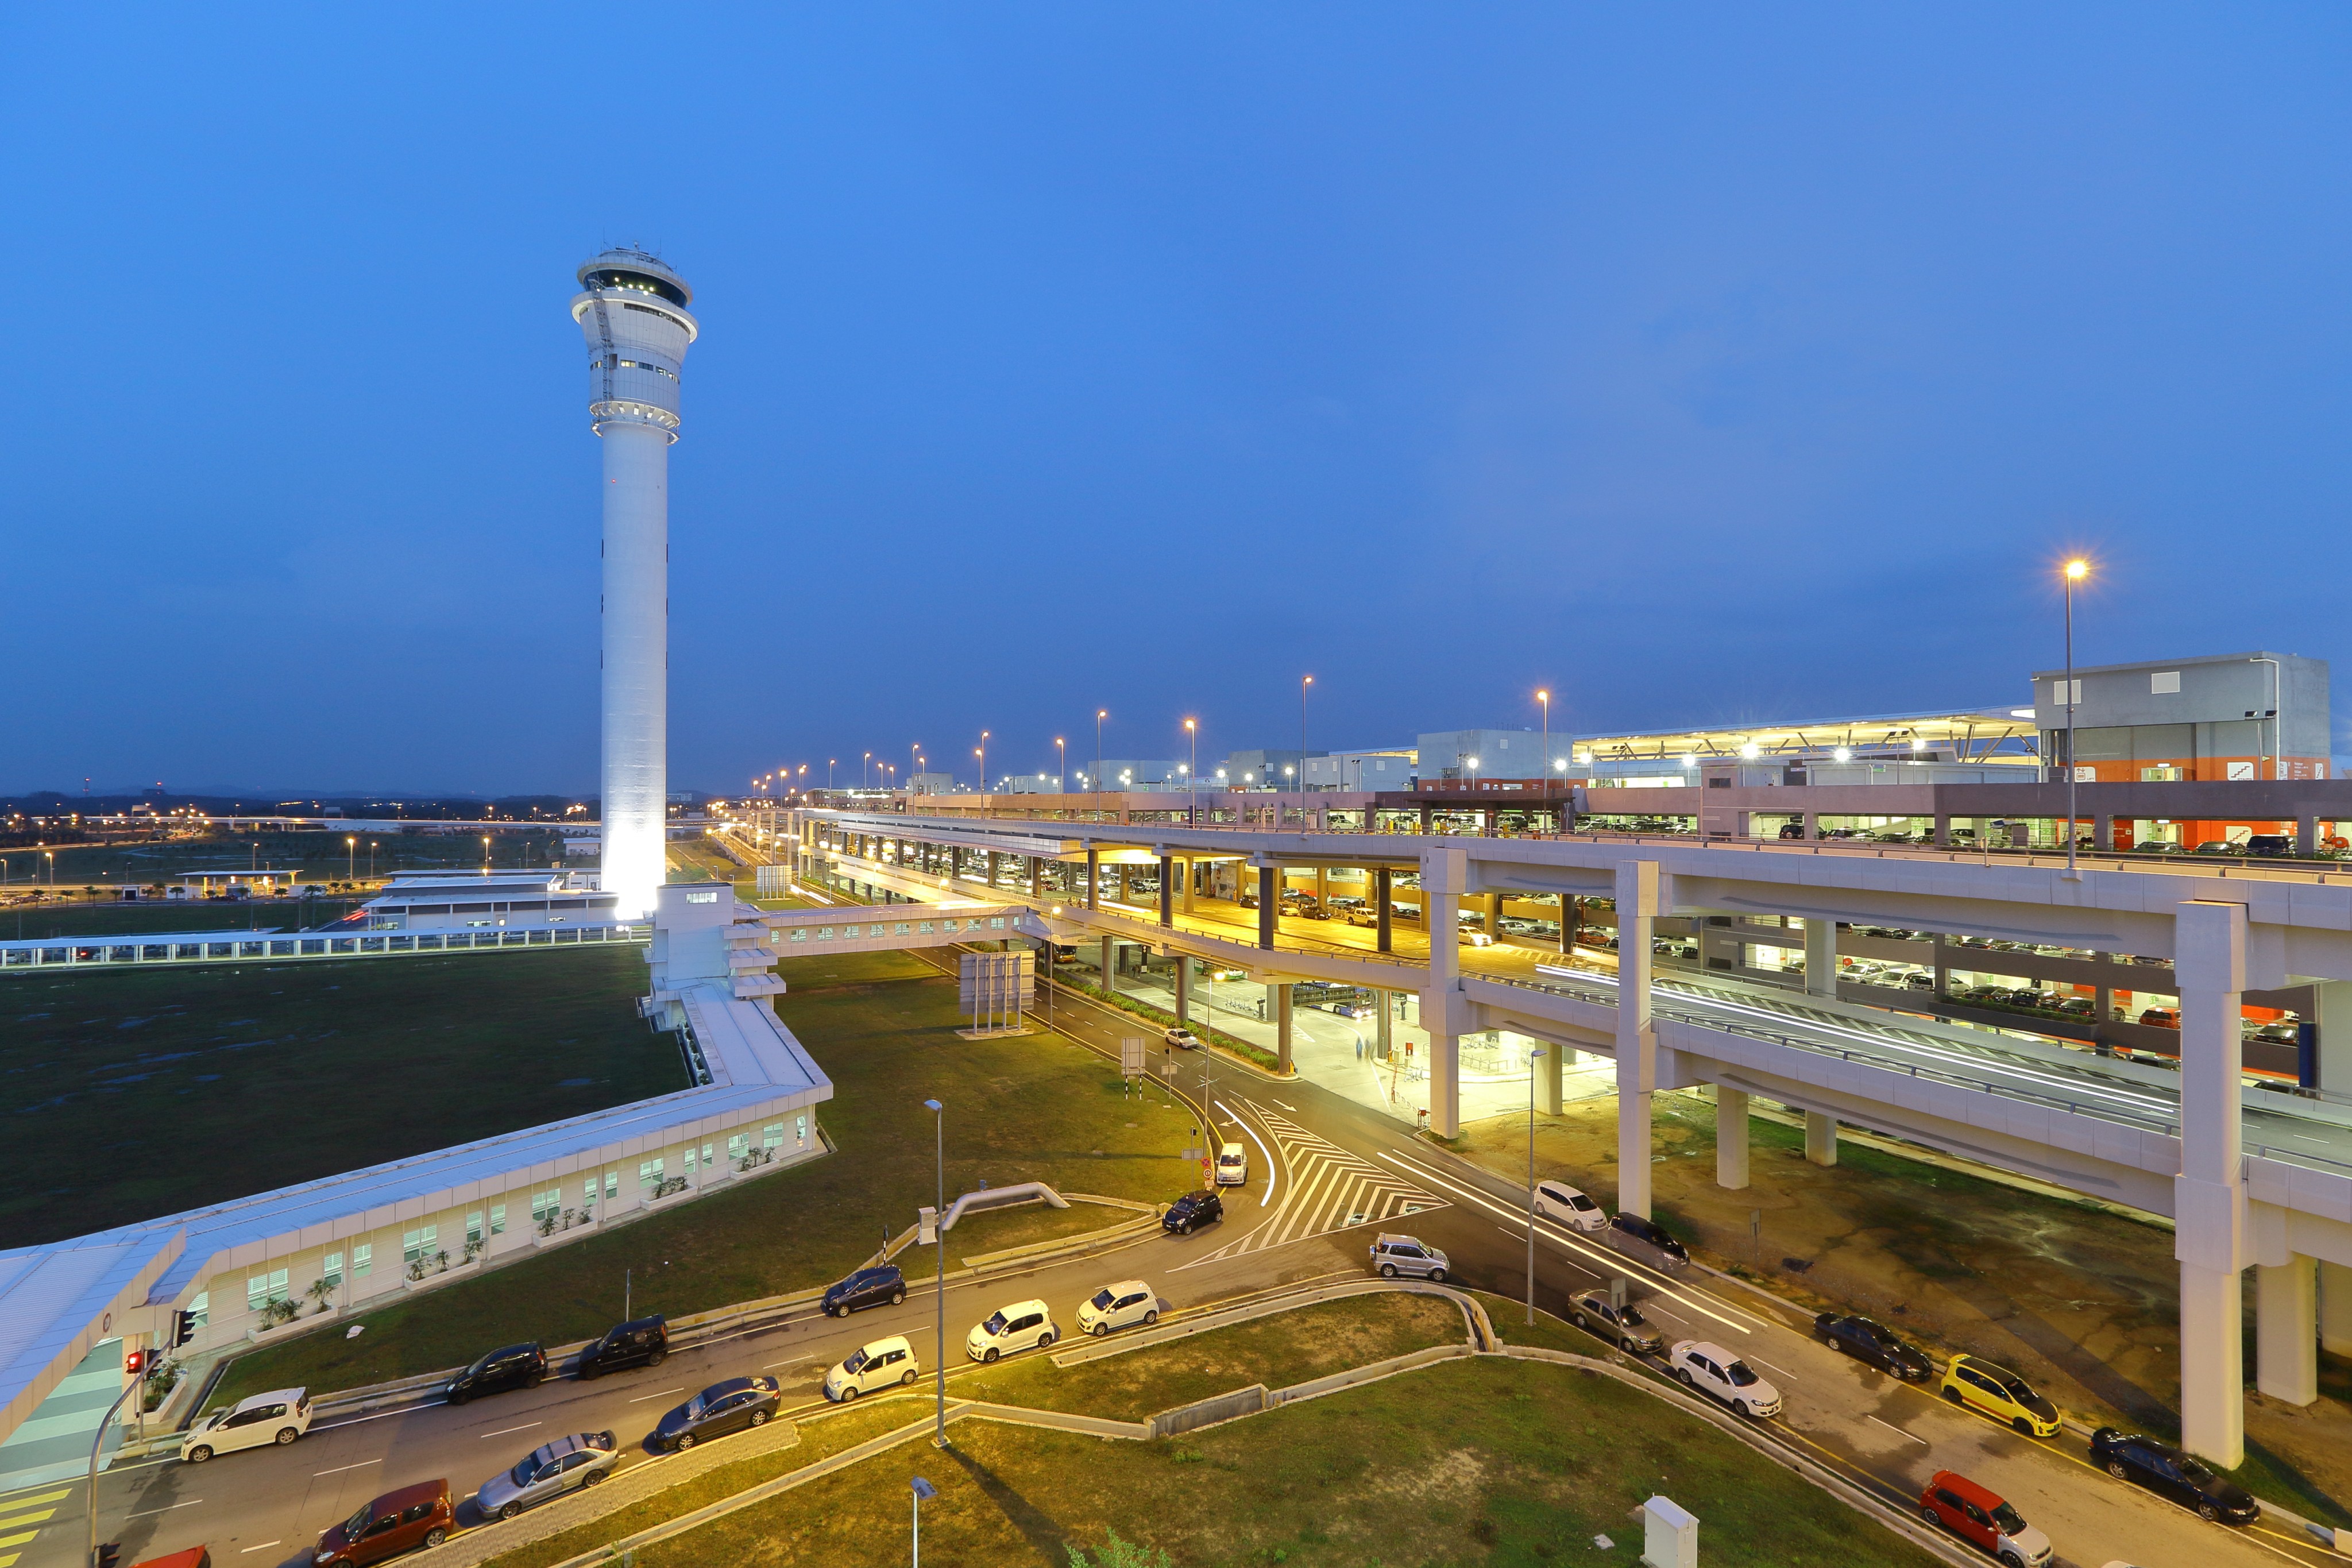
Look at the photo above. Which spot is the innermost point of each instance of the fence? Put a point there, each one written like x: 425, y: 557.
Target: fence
x: 28, y: 957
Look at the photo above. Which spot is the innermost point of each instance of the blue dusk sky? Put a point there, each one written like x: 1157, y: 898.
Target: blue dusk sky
x: 1701, y: 363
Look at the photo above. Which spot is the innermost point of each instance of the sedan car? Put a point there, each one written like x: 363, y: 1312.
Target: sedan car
x: 723, y: 1408
x: 512, y: 1366
x: 2167, y: 1471
x: 1476, y: 939
x: 1712, y: 1370
x: 549, y: 1470
x: 1013, y: 1328
x: 1594, y: 1314
x: 2001, y: 1394
x: 1191, y: 1212
x: 1116, y: 1306
x: 640, y: 1342
x: 1557, y: 1200
x: 866, y: 1288
x: 1647, y: 1240
x: 1873, y: 1342
x: 1180, y: 1039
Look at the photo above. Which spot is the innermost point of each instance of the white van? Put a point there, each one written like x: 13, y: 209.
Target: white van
x: 1556, y: 1200
x: 279, y: 1417
x: 884, y: 1363
x: 1232, y: 1165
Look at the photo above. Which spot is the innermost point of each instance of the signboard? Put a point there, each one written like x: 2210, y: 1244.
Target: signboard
x: 997, y: 982
x: 1131, y: 1055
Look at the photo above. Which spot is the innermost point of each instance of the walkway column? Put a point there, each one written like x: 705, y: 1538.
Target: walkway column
x: 1445, y: 1081
x: 1268, y: 903
x: 992, y: 870
x: 1108, y: 964
x: 1383, y: 935
x: 1385, y: 1042
x: 1443, y: 873
x: 1637, y: 1042
x: 1821, y: 1138
x: 1495, y: 915
x: 2209, y: 1197
x: 1094, y: 878
x: 1036, y: 877
x: 1820, y: 958
x: 1183, y: 989
x: 1188, y: 866
x: 1323, y: 887
x: 2335, y: 1309
x: 1730, y: 1138
x: 1167, y: 891
x: 1282, y: 1028
x: 1572, y: 911
x: 2286, y: 1330
x: 2335, y: 1010
x: 1547, y: 1081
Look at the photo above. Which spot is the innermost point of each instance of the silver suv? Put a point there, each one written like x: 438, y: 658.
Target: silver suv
x: 1395, y: 1255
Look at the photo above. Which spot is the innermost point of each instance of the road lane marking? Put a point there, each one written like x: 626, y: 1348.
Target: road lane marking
x: 165, y: 1509
x: 1292, y: 1108
x: 36, y: 1517
x: 1890, y: 1426
x: 339, y: 1470
x: 1783, y: 1370
x: 1272, y: 1171
x: 504, y: 1430
x: 37, y: 1502
x: 641, y: 1398
x: 794, y: 1362
x: 263, y: 1546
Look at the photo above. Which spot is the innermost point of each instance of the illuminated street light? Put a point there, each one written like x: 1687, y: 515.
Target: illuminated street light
x: 2076, y: 570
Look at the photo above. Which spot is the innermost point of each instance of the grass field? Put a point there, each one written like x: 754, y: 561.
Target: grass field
x: 320, y: 856
x: 99, y: 918
x: 883, y: 1028
x: 130, y: 1090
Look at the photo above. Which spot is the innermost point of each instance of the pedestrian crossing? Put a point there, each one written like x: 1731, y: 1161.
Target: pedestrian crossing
x: 1325, y: 1188
x: 22, y: 1511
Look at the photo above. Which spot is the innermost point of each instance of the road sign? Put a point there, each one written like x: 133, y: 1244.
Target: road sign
x: 1130, y: 1054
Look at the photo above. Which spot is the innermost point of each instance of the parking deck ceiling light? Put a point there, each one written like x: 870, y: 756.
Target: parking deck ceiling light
x: 1750, y: 751
x: 1843, y: 754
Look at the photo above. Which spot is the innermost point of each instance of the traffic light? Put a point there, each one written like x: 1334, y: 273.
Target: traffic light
x: 134, y: 1362
x: 110, y: 1553
x: 184, y: 1331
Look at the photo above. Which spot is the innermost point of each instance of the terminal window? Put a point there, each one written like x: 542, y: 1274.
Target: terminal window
x: 261, y: 1290
x: 363, y: 1259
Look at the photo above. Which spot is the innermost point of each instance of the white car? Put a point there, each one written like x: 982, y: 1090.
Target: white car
x: 1232, y: 1165
x: 1116, y: 1306
x: 279, y: 1417
x: 1183, y: 1039
x: 1013, y: 1327
x: 1476, y: 939
x: 1570, y: 1205
x: 1712, y: 1370
x: 884, y: 1363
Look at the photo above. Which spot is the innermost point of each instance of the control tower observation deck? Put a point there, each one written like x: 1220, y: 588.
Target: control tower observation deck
x: 632, y: 310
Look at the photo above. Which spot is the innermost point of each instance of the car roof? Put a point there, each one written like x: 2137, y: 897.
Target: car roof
x: 887, y: 1343
x: 1390, y: 1239
x: 418, y: 1491
x: 1990, y: 1368
x: 275, y: 1396
x: 653, y: 1322
x: 1124, y: 1286
x: 1707, y: 1347
x: 1961, y: 1486
x: 731, y: 1385
x: 572, y: 1444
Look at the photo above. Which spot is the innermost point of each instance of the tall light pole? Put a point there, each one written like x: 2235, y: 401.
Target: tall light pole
x: 486, y: 854
x: 1304, y: 682
x: 1193, y: 777
x: 2076, y: 570
x: 828, y: 773
x: 1062, y: 765
x: 983, y: 762
x: 939, y: 1242
x: 1532, y: 1056
x: 865, y: 771
x: 1101, y: 714
x: 1544, y: 700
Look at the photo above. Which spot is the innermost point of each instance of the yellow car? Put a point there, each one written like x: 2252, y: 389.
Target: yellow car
x: 2001, y: 1394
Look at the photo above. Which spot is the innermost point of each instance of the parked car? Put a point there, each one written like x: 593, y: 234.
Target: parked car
x: 1182, y: 1039
x: 1647, y: 1240
x: 549, y: 1470
x: 1953, y: 1502
x: 1714, y: 1370
x: 2167, y: 1471
x: 866, y: 1288
x: 1232, y: 1165
x: 194, y: 1556
x: 397, y: 1521
x: 1017, y: 1327
x: 2161, y: 1017
x: 1395, y: 1255
x: 279, y: 1416
x: 640, y: 1342
x: 1570, y: 1205
x: 1191, y: 1212
x: 882, y: 1364
x: 513, y: 1366
x: 1118, y: 1306
x: 731, y: 1406
x: 1360, y: 916
x: 1592, y: 1312
x: 1867, y: 1341
x: 2000, y: 1393
x: 1476, y: 939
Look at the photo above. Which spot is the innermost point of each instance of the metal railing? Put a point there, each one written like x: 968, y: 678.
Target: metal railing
x: 50, y: 954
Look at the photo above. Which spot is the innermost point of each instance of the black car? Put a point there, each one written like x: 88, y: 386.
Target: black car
x: 514, y: 1366
x: 723, y: 1408
x: 866, y: 1288
x: 640, y: 1342
x: 2167, y: 1471
x: 1647, y: 1239
x: 1191, y: 1212
x: 1876, y: 1343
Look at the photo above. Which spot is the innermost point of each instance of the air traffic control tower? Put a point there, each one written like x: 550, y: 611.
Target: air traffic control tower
x: 632, y: 313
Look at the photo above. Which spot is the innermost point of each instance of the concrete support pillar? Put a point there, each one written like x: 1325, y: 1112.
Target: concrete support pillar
x: 2306, y: 835
x: 1820, y: 958
x: 1269, y: 904
x: 1494, y: 914
x: 1094, y: 878
x: 1547, y: 1081
x: 1191, y: 867
x: 1383, y: 935
x: 2334, y: 1020
x: 1183, y: 989
x: 1036, y: 875
x: 2335, y: 1309
x: 1168, y: 889
x: 1110, y: 965
x: 1385, y: 1041
x: 1637, y: 1042
x: 1445, y: 1079
x: 2286, y: 1330
x: 2209, y: 1196
x: 1282, y: 1028
x: 1821, y: 1138
x: 991, y: 869
x: 1442, y: 874
x: 1323, y: 887
x: 1572, y: 911
x: 1730, y: 1138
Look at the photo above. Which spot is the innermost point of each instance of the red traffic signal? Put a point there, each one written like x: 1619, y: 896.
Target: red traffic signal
x: 134, y: 1362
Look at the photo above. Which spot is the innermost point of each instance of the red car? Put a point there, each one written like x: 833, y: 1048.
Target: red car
x: 1955, y: 1503
x: 395, y: 1522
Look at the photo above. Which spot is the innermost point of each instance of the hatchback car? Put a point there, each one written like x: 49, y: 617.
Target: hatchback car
x: 1180, y: 1039
x: 1647, y: 1240
x: 640, y: 1342
x: 279, y: 1416
x: 1634, y: 1334
x: 885, y: 1363
x: 1395, y: 1255
x: 398, y: 1521
x: 2167, y: 1471
x: 1871, y: 1341
x: 1557, y: 1200
x: 1116, y: 1306
x: 1953, y: 1502
x: 515, y: 1367
x: 1017, y: 1327
x: 1232, y: 1165
x: 723, y: 1408
x: 879, y: 1287
x: 1476, y: 939
x: 582, y: 1459
x: 1712, y: 1370
x: 1191, y: 1212
x: 2001, y: 1394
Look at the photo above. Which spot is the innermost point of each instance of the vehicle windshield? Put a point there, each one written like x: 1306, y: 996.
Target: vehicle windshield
x: 2007, y: 1519
x: 2016, y: 1387
x: 1631, y: 1317
x: 694, y: 1407
x: 1579, y: 1202
x: 1229, y: 1159
x: 358, y: 1522
x: 1739, y: 1374
x: 520, y: 1475
x: 996, y: 1324
x: 857, y: 1362
x: 2193, y: 1472
x: 1102, y: 1298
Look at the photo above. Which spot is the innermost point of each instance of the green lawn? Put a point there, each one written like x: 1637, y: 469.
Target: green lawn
x: 101, y: 917
x: 882, y: 1026
x: 320, y: 856
x: 1492, y: 1462
x: 127, y: 1088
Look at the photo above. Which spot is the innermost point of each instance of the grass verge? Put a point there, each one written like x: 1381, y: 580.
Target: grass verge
x: 1215, y: 1037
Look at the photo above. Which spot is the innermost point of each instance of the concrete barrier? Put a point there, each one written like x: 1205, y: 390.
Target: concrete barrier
x: 1209, y: 1412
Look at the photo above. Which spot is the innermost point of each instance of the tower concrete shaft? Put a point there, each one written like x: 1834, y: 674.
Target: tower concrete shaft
x: 632, y: 313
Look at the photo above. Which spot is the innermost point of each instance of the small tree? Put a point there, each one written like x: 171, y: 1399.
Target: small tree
x: 319, y: 1290
x: 1117, y: 1553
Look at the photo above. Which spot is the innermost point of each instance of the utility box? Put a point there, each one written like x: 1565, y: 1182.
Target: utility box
x: 1669, y: 1535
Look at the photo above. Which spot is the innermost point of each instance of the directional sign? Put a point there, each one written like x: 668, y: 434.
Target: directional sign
x: 1130, y: 1054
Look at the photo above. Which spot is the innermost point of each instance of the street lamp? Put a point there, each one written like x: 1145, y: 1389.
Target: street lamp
x: 1061, y: 765
x: 2076, y: 570
x: 1305, y: 682
x: 939, y: 1242
x: 350, y: 858
x: 371, y: 847
x: 486, y: 854
x: 983, y: 762
x: 865, y: 771
x: 1544, y: 698
x: 924, y: 1492
x: 828, y: 772
x: 1532, y: 1056
x: 1101, y: 714
x: 1192, y: 776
